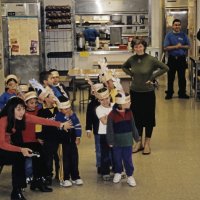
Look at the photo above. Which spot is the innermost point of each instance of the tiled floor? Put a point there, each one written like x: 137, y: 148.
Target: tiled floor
x: 170, y: 172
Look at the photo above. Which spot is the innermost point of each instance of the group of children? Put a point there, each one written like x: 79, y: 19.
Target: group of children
x: 47, y: 99
x: 108, y: 116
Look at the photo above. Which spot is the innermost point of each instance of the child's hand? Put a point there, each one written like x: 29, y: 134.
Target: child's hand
x: 78, y: 141
x: 67, y: 125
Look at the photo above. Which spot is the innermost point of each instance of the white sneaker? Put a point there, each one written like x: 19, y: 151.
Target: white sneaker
x: 131, y: 181
x: 117, y: 178
x: 78, y: 182
x: 66, y: 183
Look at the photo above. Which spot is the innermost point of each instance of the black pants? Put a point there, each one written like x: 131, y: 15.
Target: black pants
x: 38, y: 163
x: 17, y: 161
x: 70, y: 161
x: 106, y: 160
x: 50, y: 149
x: 179, y: 65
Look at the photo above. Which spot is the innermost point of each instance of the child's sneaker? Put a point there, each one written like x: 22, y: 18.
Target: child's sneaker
x: 131, y: 181
x: 106, y: 177
x: 78, y: 182
x: 117, y: 178
x: 65, y: 183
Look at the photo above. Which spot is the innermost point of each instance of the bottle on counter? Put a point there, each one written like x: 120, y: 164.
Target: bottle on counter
x: 97, y: 42
x: 86, y: 45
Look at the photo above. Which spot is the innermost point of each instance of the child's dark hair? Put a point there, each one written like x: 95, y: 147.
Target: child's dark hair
x: 63, y: 99
x: 9, y: 112
x: 44, y: 76
x: 11, y: 79
x: 102, y: 90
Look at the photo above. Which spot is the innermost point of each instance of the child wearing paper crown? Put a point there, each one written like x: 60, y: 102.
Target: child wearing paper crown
x: 102, y: 112
x: 120, y: 131
x: 69, y: 140
x: 30, y: 141
x: 92, y: 122
x: 11, y: 84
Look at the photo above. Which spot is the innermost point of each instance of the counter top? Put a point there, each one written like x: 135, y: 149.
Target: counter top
x: 84, y: 73
x: 103, y: 52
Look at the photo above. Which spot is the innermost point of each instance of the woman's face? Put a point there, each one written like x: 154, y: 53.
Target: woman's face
x: 139, y: 49
x: 19, y: 112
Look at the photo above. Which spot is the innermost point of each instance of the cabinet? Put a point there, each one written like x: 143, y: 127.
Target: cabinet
x: 59, y: 36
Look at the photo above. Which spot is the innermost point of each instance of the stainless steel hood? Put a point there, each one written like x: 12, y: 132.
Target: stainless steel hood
x: 110, y: 6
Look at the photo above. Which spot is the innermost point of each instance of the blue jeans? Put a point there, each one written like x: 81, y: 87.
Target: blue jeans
x: 97, y: 150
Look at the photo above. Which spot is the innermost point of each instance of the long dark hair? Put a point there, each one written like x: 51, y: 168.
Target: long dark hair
x: 9, y: 112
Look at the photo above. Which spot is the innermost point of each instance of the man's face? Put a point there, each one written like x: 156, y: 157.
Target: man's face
x: 176, y: 27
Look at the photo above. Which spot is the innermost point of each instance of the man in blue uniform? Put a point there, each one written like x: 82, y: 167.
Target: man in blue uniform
x: 177, y: 44
x: 90, y: 34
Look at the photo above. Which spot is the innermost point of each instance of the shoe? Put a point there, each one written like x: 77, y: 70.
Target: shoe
x: 47, y: 180
x: 167, y: 97
x: 66, y: 183
x: 106, y: 177
x: 78, y: 181
x: 117, y: 178
x: 40, y: 185
x: 131, y: 181
x: 184, y: 96
x: 138, y: 147
x: 17, y: 195
x: 147, y: 149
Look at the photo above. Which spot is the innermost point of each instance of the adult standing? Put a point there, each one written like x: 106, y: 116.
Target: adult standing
x: 176, y: 43
x: 90, y: 34
x: 13, y: 120
x: 143, y: 69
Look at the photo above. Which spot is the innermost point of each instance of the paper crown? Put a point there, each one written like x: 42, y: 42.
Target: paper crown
x: 23, y: 88
x: 55, y: 74
x: 64, y: 105
x: 30, y: 95
x: 106, y: 76
x: 123, y: 99
x: 102, y: 94
x: 97, y: 86
x: 11, y: 76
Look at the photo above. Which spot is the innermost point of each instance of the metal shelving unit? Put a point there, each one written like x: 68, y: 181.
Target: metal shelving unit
x: 59, y: 36
x: 195, y: 77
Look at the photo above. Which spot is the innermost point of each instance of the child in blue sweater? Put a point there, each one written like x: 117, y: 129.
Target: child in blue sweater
x: 69, y: 141
x: 120, y: 132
